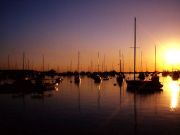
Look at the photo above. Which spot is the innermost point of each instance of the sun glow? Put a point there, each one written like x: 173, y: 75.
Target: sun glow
x: 172, y: 56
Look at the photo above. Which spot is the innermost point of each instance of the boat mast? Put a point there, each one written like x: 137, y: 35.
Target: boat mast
x: 23, y: 60
x: 27, y: 64
x: 134, y: 47
x: 122, y: 63
x: 71, y: 66
x: 98, y: 62
x: 91, y: 66
x: 155, y: 58
x: 78, y: 60
x: 104, y: 63
x: 141, y: 63
x: 8, y: 62
x: 119, y: 61
x: 43, y: 62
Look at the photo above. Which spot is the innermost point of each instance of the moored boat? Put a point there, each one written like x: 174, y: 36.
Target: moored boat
x: 120, y: 78
x: 143, y: 85
x: 97, y: 79
x: 77, y: 78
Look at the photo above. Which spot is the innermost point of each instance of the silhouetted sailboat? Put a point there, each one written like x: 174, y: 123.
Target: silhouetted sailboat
x: 155, y: 78
x: 141, y: 85
x: 120, y: 77
x: 131, y: 84
x: 97, y: 79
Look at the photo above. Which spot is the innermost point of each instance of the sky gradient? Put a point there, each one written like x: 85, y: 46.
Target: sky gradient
x: 58, y: 29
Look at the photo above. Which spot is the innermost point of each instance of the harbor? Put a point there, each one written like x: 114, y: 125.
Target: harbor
x: 90, y: 67
x: 92, y: 108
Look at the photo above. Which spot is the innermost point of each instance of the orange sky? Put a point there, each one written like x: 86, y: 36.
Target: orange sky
x: 58, y: 30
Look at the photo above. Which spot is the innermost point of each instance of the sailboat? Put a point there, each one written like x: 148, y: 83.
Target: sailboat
x: 142, y: 85
x: 120, y: 77
x: 155, y: 84
x: 97, y: 78
x: 133, y: 84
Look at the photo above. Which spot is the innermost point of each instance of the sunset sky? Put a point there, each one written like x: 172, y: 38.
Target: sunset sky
x: 58, y: 29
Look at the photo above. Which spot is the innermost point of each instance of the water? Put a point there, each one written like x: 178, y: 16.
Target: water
x: 91, y: 108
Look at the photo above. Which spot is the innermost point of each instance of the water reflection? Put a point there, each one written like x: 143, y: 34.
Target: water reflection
x: 88, y: 107
x: 99, y: 85
x: 174, y: 91
x: 56, y: 89
x: 78, y: 84
x: 120, y: 92
x: 79, y: 99
x: 135, y: 115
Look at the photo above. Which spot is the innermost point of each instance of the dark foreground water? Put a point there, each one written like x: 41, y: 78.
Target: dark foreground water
x: 91, y: 108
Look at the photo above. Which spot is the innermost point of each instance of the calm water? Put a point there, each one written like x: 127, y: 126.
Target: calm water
x: 91, y: 108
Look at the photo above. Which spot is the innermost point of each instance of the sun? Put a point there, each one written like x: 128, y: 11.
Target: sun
x: 172, y: 56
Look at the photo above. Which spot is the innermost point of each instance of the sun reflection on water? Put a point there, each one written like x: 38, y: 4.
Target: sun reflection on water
x: 174, y: 91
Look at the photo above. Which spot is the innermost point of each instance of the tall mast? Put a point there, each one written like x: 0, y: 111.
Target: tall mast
x: 91, y: 66
x: 98, y: 61
x: 119, y: 61
x: 155, y: 59
x: 122, y: 62
x: 23, y: 60
x: 27, y: 64
x: 141, y: 62
x: 104, y: 62
x: 134, y: 47
x: 43, y: 63
x: 71, y: 66
x: 8, y: 62
x: 102, y: 66
x: 78, y: 60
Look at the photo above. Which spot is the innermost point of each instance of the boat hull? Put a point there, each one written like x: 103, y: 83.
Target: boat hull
x: 134, y: 84
x: 144, y: 86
